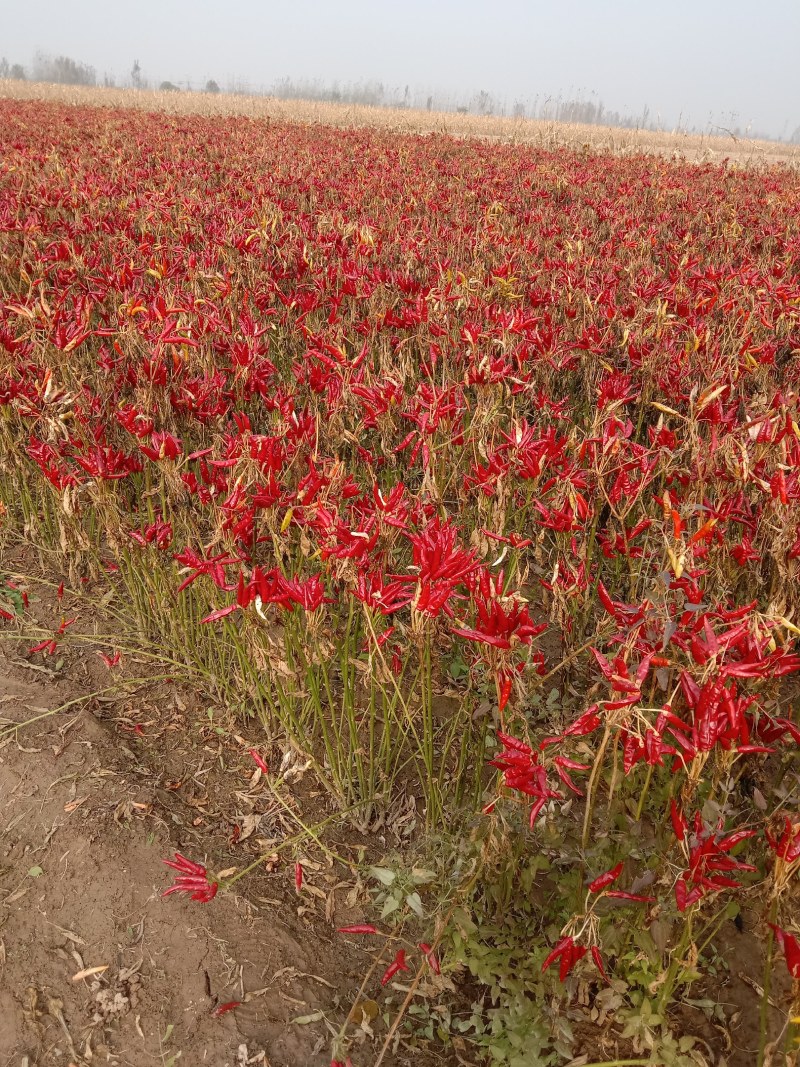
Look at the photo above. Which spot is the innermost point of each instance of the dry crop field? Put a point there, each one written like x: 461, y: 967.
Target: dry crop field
x: 708, y: 147
x: 400, y: 536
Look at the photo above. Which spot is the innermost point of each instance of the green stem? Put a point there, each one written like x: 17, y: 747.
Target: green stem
x: 643, y: 795
x: 598, y: 762
x: 675, y: 964
x: 713, y: 926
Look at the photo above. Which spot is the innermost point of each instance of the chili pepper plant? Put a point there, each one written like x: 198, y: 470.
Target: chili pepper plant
x: 473, y: 471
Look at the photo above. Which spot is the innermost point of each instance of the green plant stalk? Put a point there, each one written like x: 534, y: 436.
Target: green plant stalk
x: 331, y: 745
x: 675, y: 965
x: 792, y: 1039
x: 643, y: 796
x: 713, y: 926
x: 598, y: 762
x: 430, y: 781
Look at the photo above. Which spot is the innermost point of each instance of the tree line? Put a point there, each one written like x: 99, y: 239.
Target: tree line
x: 63, y: 70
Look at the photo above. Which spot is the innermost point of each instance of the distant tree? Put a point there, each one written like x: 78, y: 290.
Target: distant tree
x: 62, y: 70
x: 11, y: 70
x: 211, y: 86
x: 795, y: 138
x: 484, y: 103
x: 519, y: 110
x: 136, y: 75
x: 169, y: 87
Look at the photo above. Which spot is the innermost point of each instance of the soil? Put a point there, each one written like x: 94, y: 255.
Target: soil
x: 93, y: 796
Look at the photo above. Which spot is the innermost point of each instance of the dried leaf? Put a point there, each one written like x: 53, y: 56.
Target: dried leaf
x: 304, y: 1020
x: 87, y: 972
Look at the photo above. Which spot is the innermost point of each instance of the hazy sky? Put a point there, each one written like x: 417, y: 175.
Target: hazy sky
x: 699, y: 59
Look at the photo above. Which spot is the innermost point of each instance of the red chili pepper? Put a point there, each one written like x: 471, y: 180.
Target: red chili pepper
x: 732, y: 840
x: 398, y: 964
x: 679, y: 824
x: 259, y: 761
x: 606, y: 879
x: 298, y: 877
x: 569, y: 959
x: 537, y: 807
x: 358, y: 928
x: 791, y: 949
x: 223, y: 1008
x: 704, y: 532
x: 598, y: 962
x: 505, y: 691
x: 561, y: 947
x: 430, y: 956
x: 570, y: 953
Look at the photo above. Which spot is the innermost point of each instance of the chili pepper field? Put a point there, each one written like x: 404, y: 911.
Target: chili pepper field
x: 439, y: 501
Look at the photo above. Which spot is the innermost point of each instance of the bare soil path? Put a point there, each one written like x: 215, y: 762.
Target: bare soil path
x: 81, y: 845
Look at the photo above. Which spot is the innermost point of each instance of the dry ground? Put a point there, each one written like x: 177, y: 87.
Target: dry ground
x: 698, y: 148
x: 81, y: 839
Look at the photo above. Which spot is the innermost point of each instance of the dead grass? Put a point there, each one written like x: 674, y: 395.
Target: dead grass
x: 694, y: 147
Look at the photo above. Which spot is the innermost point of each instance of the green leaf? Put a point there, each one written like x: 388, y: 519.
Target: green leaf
x: 391, y: 906
x: 415, y: 903
x: 35, y: 872
x: 383, y: 875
